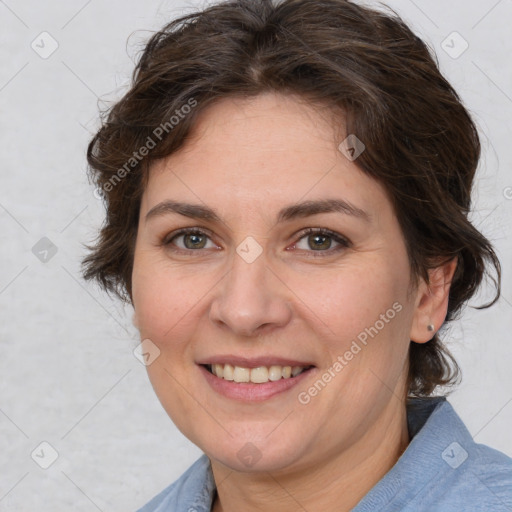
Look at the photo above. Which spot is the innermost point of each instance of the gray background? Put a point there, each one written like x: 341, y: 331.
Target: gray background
x: 68, y: 376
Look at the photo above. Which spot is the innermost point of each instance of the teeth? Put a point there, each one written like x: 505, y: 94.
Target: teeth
x: 275, y: 373
x: 227, y: 372
x: 241, y: 374
x: 296, y: 370
x: 257, y: 375
x: 218, y: 369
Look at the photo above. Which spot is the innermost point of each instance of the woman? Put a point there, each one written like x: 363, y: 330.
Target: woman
x: 287, y: 189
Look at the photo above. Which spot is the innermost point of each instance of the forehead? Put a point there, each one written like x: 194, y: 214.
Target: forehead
x: 266, y: 123
x: 271, y: 147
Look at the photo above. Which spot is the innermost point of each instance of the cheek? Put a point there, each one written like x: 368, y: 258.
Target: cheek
x: 164, y: 297
x: 353, y: 298
x: 368, y: 315
x: 166, y: 312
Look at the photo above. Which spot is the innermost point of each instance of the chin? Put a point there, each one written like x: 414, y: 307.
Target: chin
x: 259, y: 455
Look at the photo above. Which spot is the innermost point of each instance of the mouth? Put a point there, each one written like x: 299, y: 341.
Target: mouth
x: 254, y: 380
x: 257, y: 375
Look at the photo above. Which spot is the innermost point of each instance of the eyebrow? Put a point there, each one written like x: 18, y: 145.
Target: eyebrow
x: 294, y: 211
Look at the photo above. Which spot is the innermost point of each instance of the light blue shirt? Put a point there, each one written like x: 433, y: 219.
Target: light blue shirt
x: 442, y: 470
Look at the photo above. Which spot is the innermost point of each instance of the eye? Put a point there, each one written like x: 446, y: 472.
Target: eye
x: 312, y: 240
x: 321, y: 240
x: 189, y: 240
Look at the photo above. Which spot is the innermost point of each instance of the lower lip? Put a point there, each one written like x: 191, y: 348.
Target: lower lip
x: 250, y: 392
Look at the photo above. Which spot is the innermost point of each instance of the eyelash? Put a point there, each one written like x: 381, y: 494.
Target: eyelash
x: 343, y: 242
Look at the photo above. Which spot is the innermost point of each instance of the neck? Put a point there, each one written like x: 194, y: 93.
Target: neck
x: 336, y: 484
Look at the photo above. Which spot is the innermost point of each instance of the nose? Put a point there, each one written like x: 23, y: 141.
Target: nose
x: 251, y: 299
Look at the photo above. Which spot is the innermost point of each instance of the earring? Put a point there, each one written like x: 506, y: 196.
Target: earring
x: 430, y: 327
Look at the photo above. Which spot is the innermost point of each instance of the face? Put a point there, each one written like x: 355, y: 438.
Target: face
x: 292, y: 257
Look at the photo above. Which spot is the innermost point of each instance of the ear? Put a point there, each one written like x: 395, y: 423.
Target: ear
x: 432, y: 302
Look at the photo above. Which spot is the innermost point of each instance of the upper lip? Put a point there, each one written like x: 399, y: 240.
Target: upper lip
x: 253, y: 362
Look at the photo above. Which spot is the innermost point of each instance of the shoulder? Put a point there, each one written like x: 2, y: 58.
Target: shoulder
x: 476, y: 478
x: 192, y: 490
x: 491, y: 473
x: 470, y: 476
x: 443, y: 468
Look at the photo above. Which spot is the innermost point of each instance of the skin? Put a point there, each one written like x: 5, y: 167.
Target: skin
x: 247, y: 159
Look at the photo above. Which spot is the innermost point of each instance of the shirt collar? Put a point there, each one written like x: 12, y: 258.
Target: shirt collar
x: 438, y: 439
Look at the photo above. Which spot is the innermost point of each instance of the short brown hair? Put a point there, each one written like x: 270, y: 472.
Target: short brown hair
x: 421, y: 143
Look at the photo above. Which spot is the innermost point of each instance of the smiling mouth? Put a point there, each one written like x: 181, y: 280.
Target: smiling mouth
x: 258, y: 375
